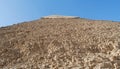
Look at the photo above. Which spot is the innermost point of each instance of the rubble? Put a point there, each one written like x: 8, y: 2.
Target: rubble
x: 59, y: 43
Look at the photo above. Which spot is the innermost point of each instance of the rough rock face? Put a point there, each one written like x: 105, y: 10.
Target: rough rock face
x: 60, y: 43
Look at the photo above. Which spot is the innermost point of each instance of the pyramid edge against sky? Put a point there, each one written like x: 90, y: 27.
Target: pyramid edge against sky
x: 59, y: 16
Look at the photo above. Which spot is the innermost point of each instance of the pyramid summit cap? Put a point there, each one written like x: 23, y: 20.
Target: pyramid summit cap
x: 60, y: 16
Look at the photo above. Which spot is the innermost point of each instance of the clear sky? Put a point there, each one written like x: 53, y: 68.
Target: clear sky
x: 17, y: 11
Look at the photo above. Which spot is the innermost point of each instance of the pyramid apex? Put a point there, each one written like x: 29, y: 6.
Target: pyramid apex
x: 60, y: 16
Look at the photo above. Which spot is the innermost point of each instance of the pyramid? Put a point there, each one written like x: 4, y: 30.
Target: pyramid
x: 60, y: 42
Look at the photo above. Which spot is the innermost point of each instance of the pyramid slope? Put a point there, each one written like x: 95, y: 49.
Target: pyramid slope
x: 60, y: 44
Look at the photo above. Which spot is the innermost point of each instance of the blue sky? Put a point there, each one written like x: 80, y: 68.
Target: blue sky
x: 17, y: 11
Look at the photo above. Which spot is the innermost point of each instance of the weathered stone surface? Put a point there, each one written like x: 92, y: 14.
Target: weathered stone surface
x: 60, y: 43
x: 105, y: 65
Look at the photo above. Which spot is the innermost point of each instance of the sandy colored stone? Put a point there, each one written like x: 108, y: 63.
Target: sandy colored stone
x: 60, y: 42
x: 59, y: 16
